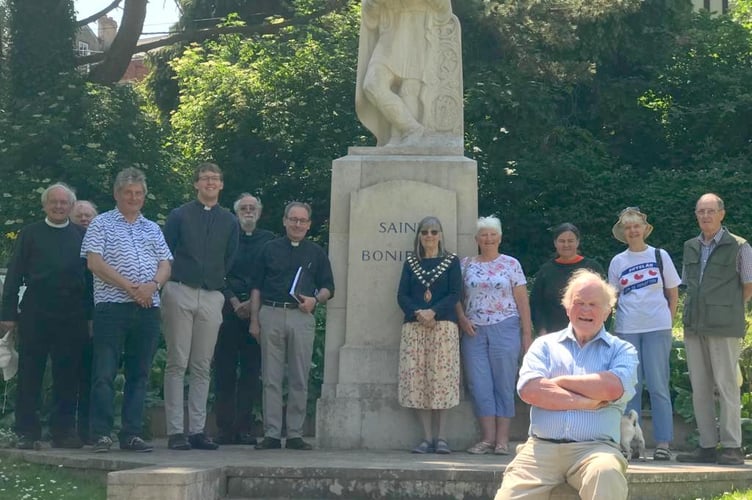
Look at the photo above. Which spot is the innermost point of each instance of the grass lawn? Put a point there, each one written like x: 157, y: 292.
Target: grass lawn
x: 21, y: 480
x: 740, y: 495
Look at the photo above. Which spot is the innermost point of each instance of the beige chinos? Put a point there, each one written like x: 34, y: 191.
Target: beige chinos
x: 190, y: 319
x: 286, y: 337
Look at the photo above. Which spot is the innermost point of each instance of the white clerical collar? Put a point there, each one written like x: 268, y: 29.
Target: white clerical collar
x: 57, y: 226
x: 295, y: 243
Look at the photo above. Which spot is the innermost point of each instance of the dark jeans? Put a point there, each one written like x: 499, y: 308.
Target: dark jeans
x: 236, y: 389
x: 62, y: 338
x: 84, y: 390
x: 131, y: 332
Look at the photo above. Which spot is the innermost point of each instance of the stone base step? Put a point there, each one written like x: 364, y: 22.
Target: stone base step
x: 242, y: 473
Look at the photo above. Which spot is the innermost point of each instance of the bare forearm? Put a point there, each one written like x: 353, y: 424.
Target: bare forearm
x: 255, y: 304
x: 523, y: 309
x: 602, y: 386
x: 747, y: 292
x: 106, y: 272
x: 546, y: 394
x: 323, y: 296
x: 164, y: 269
x: 672, y: 295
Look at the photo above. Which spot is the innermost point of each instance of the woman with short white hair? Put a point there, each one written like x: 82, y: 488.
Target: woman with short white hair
x: 495, y: 320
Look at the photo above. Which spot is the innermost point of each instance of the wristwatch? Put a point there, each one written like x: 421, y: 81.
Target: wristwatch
x: 159, y: 285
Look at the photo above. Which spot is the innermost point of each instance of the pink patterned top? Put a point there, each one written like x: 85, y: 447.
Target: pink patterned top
x: 488, y: 288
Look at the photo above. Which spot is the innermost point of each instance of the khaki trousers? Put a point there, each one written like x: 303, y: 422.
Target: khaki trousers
x: 712, y: 363
x: 190, y: 322
x: 286, y: 337
x: 594, y: 468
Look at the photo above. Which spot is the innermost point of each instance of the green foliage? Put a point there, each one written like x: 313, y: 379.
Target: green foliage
x: 272, y: 111
x: 83, y: 136
x: 582, y: 108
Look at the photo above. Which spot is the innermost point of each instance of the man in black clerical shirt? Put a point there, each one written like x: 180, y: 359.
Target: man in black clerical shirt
x: 53, y: 318
x: 237, y: 356
x: 203, y: 238
x: 284, y: 324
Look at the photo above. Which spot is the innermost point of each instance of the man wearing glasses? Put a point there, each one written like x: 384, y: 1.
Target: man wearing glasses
x: 718, y: 276
x: 237, y: 390
x: 203, y: 238
x: 284, y: 323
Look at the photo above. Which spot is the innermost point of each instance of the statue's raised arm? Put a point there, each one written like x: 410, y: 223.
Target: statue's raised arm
x: 409, y: 82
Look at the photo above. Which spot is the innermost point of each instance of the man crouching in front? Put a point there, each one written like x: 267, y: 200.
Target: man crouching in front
x: 578, y: 382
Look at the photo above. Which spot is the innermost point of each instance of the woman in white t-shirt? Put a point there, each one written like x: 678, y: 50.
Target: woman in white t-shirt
x: 647, y: 282
x: 496, y: 326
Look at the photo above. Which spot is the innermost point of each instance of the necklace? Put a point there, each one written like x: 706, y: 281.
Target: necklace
x: 427, y: 278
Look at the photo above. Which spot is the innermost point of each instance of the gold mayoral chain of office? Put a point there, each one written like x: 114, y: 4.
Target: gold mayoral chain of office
x: 427, y: 278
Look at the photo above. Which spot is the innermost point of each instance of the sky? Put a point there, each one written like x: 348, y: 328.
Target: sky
x: 160, y: 14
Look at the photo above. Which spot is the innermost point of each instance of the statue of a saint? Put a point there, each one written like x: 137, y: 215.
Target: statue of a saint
x: 409, y: 82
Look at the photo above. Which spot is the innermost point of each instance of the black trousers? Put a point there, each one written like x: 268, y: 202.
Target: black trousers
x: 237, y: 366
x: 84, y: 389
x: 62, y: 338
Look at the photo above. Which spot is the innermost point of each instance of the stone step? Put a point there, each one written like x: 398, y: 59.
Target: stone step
x: 242, y: 473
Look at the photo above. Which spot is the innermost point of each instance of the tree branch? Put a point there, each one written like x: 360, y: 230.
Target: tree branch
x: 94, y: 17
x: 208, y: 33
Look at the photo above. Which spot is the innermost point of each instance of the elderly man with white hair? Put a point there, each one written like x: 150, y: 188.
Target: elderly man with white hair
x: 578, y: 382
x: 51, y: 319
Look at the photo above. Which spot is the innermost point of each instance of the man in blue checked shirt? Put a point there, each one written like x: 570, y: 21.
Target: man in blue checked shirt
x: 130, y: 261
x: 578, y: 382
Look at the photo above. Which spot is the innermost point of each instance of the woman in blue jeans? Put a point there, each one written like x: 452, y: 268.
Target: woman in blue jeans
x: 495, y: 321
x: 647, y: 282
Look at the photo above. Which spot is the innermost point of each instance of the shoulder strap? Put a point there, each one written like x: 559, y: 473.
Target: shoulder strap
x: 659, y: 261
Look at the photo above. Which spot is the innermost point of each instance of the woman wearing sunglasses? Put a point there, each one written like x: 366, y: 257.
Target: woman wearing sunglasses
x: 495, y: 320
x: 647, y: 282
x: 429, y: 356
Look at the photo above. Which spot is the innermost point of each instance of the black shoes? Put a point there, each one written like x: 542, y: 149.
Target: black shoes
x: 68, y: 442
x: 201, y: 441
x: 178, y: 442
x: 135, y: 443
x: 246, y: 438
x: 698, y: 456
x: 269, y: 444
x: 25, y: 442
x: 730, y: 456
x: 102, y: 444
x: 239, y: 438
x: 297, y: 444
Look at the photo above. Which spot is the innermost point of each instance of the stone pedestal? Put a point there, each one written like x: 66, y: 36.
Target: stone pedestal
x: 378, y: 197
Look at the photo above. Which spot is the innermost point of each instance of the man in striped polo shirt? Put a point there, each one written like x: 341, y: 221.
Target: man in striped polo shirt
x: 130, y: 261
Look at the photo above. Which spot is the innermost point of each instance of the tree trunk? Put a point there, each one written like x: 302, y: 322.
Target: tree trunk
x: 118, y: 56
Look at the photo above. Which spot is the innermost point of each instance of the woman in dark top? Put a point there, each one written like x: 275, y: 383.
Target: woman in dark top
x: 552, y: 277
x: 429, y: 364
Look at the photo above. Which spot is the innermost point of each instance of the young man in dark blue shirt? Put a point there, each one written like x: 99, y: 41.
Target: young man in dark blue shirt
x: 203, y: 238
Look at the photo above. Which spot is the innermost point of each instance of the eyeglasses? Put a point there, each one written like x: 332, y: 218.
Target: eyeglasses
x: 247, y: 208
x: 207, y: 178
x: 425, y: 232
x: 295, y: 220
x: 706, y: 211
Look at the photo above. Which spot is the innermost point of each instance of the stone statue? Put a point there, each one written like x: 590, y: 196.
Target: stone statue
x: 409, y: 81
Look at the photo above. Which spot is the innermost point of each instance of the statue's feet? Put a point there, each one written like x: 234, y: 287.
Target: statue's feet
x: 410, y: 138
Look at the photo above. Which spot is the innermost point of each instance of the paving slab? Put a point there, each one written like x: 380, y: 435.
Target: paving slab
x: 370, y: 474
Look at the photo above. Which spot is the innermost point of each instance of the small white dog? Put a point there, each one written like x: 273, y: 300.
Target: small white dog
x: 632, y: 439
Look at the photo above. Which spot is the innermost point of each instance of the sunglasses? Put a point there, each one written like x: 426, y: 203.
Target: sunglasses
x: 426, y: 232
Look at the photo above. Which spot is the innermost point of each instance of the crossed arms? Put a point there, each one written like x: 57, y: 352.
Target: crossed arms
x: 573, y: 392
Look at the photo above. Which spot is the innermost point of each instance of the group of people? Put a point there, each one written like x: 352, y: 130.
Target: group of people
x: 578, y: 378
x: 101, y: 288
